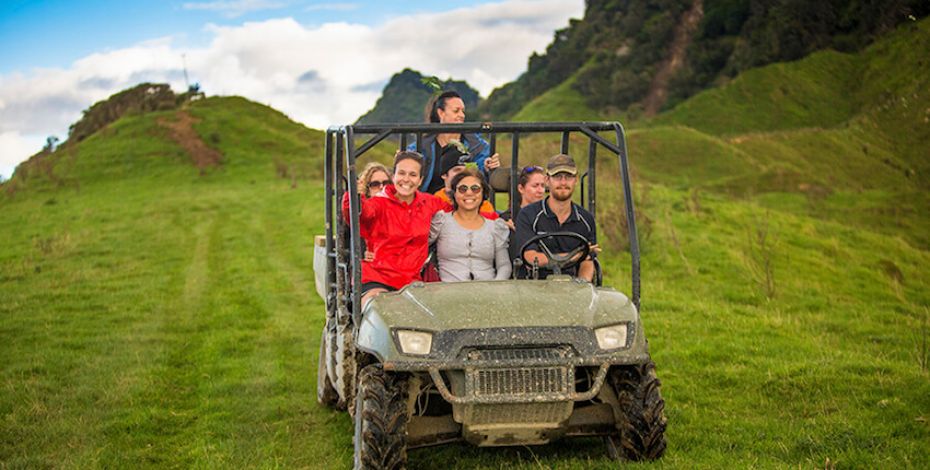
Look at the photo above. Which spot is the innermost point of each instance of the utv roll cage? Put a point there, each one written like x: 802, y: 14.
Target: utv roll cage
x: 341, y: 153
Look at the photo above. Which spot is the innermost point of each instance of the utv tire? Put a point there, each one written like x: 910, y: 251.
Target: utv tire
x: 345, y: 367
x: 380, y: 420
x: 326, y: 394
x: 641, y: 430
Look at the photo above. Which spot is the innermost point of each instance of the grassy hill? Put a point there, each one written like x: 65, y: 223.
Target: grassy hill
x: 837, y: 129
x: 561, y: 103
x: 158, y: 305
x: 651, y: 55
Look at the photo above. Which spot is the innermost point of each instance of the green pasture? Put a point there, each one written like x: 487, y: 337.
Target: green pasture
x: 146, y: 324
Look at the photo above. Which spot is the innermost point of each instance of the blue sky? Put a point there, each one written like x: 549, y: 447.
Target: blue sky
x: 54, y: 33
x: 321, y: 63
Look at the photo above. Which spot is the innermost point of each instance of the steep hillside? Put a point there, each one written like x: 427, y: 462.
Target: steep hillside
x: 814, y: 92
x: 876, y: 100
x: 653, y: 54
x: 562, y: 103
x: 846, y: 133
x: 142, y: 98
x: 405, y: 97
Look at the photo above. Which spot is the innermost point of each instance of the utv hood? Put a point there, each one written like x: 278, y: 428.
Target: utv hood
x: 498, y: 314
x: 502, y: 304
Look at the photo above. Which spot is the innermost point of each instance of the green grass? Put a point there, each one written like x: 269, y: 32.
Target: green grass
x: 164, y: 326
x: 812, y: 92
x: 561, y: 103
x: 156, y: 316
x: 177, y: 326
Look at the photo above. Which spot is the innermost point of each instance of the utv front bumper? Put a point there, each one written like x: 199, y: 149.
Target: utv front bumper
x: 517, y: 365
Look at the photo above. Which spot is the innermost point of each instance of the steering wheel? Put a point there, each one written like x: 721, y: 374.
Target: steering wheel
x: 559, y: 262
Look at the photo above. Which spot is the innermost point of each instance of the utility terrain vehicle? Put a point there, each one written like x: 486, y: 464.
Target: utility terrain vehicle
x: 496, y: 363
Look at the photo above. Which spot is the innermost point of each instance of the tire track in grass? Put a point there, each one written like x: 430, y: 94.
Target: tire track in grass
x: 230, y: 429
x: 261, y: 398
x: 92, y: 323
x: 320, y: 434
x: 158, y: 427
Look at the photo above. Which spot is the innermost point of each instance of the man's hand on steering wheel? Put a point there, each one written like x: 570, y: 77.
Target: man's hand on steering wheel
x: 559, y: 262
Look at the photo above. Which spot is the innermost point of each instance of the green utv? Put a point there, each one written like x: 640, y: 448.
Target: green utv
x: 493, y: 363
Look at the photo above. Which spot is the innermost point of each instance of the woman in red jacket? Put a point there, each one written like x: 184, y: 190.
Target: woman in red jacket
x: 396, y: 222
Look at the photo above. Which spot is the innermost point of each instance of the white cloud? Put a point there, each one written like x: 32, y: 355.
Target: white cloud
x: 14, y: 148
x: 319, y: 75
x: 332, y: 7
x: 233, y: 9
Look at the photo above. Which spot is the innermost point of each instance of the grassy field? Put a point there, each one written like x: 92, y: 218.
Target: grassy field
x: 155, y: 314
x: 146, y: 324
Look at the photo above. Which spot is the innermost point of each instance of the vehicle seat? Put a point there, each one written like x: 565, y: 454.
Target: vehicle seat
x: 430, y: 270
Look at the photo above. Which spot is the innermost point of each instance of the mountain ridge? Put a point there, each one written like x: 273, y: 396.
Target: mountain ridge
x: 617, y: 51
x: 405, y: 97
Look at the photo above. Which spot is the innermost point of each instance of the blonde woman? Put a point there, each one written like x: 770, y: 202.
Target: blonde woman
x: 373, y: 179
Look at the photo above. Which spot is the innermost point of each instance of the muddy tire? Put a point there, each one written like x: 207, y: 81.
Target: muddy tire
x: 641, y: 425
x: 326, y: 394
x: 380, y: 419
x: 345, y: 367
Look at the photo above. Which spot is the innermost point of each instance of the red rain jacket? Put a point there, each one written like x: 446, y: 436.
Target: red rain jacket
x: 397, y: 233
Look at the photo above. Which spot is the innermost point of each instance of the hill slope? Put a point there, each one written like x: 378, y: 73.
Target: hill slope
x: 626, y: 56
x: 217, y: 136
x: 833, y: 128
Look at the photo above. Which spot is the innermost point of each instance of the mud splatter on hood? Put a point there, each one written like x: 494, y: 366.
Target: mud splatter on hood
x: 490, y: 304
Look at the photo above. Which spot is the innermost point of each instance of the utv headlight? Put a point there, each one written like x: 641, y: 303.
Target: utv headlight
x: 415, y: 342
x: 611, y: 337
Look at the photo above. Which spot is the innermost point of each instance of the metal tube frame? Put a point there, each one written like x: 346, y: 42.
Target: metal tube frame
x: 339, y: 171
x: 330, y: 242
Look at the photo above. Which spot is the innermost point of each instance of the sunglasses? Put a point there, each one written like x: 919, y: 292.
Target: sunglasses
x: 475, y: 188
x: 377, y: 184
x: 529, y: 169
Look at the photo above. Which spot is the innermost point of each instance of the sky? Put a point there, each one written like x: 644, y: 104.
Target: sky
x: 319, y: 62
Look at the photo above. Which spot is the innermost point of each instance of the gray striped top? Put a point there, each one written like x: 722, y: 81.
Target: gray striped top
x: 466, y: 255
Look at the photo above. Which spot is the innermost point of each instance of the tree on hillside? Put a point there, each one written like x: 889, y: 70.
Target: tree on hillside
x: 142, y: 98
x: 615, y: 52
x: 51, y: 143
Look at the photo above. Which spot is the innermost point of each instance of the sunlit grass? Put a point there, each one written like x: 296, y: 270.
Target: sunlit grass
x: 178, y: 327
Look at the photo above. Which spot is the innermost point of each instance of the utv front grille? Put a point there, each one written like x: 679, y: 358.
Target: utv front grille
x: 522, y: 354
x: 524, y: 381
x: 510, y: 372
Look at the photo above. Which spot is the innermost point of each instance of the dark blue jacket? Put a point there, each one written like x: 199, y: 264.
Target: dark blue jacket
x: 478, y: 149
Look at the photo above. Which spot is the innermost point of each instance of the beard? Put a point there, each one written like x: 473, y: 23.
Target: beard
x: 561, y: 195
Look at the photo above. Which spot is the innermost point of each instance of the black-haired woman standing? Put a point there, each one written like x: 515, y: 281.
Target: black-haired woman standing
x: 449, y: 108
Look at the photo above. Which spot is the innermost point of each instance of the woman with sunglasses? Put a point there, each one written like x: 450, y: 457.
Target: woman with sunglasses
x: 374, y: 178
x: 468, y: 245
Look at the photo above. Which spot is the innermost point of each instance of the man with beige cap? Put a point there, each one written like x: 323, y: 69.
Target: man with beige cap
x: 556, y: 213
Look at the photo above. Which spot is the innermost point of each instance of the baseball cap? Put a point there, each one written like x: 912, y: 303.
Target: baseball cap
x: 561, y: 163
x: 450, y: 157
